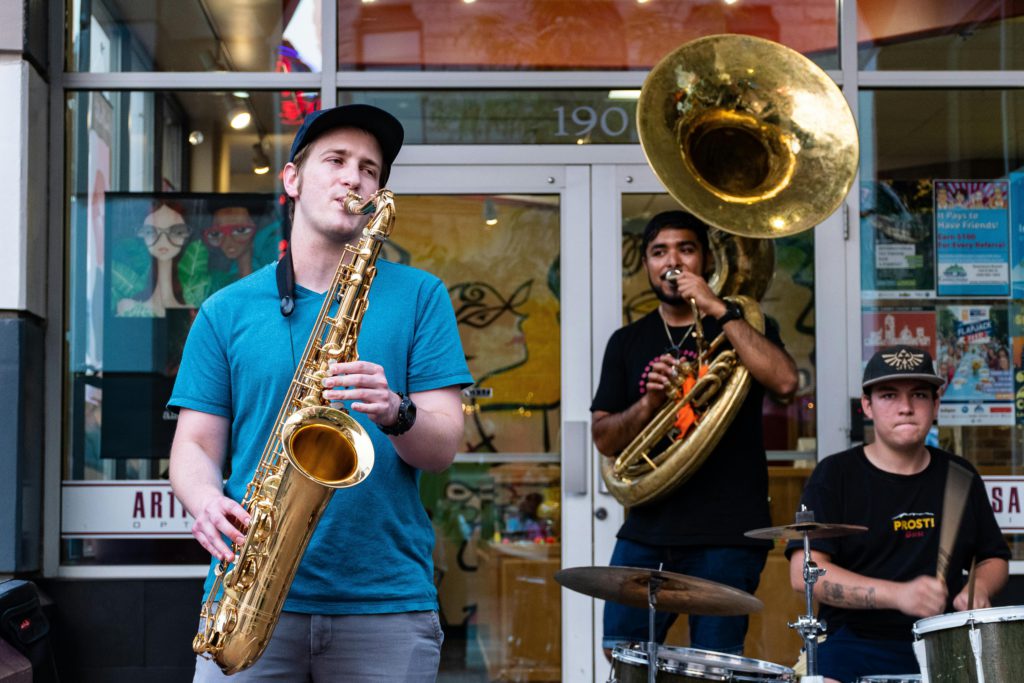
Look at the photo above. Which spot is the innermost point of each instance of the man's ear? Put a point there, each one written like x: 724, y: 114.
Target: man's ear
x: 865, y: 405
x: 290, y: 179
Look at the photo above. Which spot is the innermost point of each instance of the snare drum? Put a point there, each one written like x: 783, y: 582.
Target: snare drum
x: 687, y: 665
x: 904, y: 678
x: 979, y: 645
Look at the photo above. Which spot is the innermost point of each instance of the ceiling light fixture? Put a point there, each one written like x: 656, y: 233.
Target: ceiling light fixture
x: 260, y: 161
x: 623, y: 94
x: 239, y: 118
x: 490, y: 213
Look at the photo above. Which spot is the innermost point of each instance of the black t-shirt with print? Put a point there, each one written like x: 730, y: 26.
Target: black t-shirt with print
x: 903, y: 514
x: 728, y: 495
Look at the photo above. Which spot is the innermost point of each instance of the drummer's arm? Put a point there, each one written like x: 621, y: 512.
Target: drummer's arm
x: 989, y: 578
x: 924, y: 596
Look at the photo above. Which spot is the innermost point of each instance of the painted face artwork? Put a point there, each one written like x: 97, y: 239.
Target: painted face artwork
x: 231, y: 231
x: 164, y: 233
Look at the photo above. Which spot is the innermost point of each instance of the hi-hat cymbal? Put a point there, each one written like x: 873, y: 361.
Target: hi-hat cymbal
x: 674, y: 592
x: 796, y: 532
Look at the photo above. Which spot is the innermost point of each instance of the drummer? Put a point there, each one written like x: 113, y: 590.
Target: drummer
x: 877, y: 584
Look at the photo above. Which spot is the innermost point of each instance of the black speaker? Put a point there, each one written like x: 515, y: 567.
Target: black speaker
x: 25, y: 627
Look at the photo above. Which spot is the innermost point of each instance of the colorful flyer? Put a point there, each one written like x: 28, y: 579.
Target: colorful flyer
x: 972, y: 237
x: 974, y: 359
x: 897, y: 239
x: 1017, y: 357
x: 882, y: 327
x: 1017, y: 235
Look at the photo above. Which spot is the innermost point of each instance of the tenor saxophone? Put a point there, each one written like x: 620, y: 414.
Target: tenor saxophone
x: 313, y: 450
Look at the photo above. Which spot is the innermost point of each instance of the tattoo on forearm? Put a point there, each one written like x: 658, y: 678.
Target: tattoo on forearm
x: 844, y: 596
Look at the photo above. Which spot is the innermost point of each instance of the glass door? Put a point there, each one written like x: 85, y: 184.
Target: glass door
x: 624, y: 198
x: 511, y: 244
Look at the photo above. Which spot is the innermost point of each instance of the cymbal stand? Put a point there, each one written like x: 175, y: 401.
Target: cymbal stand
x: 807, y: 625
x: 652, y: 645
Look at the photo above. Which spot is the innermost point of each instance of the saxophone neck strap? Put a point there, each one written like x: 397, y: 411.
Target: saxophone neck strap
x: 286, y: 282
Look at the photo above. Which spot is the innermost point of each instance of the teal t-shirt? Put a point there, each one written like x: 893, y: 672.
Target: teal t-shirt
x: 371, y: 551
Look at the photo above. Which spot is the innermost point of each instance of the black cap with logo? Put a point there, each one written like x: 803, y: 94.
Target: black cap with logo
x: 898, y: 363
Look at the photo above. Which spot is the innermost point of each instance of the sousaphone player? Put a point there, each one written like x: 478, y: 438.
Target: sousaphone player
x: 696, y: 529
x: 722, y: 127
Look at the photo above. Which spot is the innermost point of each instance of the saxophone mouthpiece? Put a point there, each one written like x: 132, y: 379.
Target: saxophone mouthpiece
x: 354, y: 204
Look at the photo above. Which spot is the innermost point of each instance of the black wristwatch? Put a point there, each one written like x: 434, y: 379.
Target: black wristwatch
x: 733, y: 311
x: 406, y: 417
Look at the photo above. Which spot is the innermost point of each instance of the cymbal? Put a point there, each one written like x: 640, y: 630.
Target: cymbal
x: 795, y: 532
x: 674, y: 592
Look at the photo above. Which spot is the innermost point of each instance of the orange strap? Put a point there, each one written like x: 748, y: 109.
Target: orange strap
x: 686, y: 418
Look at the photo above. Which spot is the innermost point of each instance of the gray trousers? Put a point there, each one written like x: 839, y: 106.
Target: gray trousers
x: 337, y: 649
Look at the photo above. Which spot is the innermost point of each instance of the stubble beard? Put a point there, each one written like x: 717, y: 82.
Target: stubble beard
x: 670, y: 299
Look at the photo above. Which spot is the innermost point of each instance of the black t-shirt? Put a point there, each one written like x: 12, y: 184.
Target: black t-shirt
x: 903, y: 514
x: 728, y: 495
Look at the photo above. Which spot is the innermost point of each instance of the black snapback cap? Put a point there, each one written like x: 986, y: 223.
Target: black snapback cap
x: 380, y: 124
x: 900, y: 362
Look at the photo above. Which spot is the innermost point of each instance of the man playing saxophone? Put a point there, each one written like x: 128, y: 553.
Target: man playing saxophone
x: 696, y: 529
x: 362, y: 605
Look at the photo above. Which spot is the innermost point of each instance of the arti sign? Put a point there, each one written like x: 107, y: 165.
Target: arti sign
x: 122, y: 509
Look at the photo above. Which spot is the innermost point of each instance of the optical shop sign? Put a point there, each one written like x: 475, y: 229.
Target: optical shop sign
x: 120, y: 509
x: 1006, y: 494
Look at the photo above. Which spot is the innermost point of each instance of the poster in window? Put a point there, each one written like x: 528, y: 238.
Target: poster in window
x: 974, y: 344
x: 897, y: 239
x: 1017, y: 357
x: 1017, y: 235
x: 882, y: 327
x: 166, y: 253
x: 972, y: 237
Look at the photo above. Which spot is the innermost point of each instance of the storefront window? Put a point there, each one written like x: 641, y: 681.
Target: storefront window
x: 169, y: 203
x: 942, y: 243
x: 193, y: 35
x: 509, y: 117
x: 957, y: 35
x: 546, y: 35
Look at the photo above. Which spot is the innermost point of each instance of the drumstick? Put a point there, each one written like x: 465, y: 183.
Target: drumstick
x: 958, y: 484
x: 970, y: 586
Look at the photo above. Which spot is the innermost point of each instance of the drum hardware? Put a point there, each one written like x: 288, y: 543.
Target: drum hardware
x: 636, y: 587
x: 899, y: 678
x: 807, y: 625
x: 652, y: 645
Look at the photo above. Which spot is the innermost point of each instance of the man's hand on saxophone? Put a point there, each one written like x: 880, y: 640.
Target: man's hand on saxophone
x: 365, y: 385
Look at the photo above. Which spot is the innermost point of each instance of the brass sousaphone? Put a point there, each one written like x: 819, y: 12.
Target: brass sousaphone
x: 757, y: 141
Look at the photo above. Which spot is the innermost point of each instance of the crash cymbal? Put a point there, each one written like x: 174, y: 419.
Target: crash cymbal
x: 795, y: 532
x: 675, y: 592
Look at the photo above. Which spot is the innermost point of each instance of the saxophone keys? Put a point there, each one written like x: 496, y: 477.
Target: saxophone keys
x: 226, y: 619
